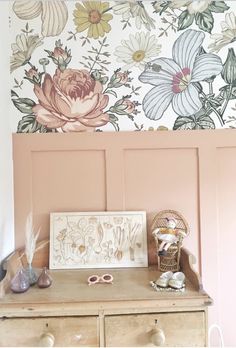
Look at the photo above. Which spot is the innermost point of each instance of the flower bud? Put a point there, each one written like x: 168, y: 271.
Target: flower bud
x: 130, y: 106
x: 33, y: 75
x: 119, y: 78
x: 60, y: 56
x: 125, y: 106
x: 59, y: 53
x: 229, y: 68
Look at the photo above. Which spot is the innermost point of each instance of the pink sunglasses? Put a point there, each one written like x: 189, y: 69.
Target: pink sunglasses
x: 105, y: 278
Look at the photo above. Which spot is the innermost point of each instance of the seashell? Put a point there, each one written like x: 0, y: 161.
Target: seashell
x: 27, y: 9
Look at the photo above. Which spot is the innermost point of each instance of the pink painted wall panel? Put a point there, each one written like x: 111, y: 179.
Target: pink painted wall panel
x: 159, y: 179
x: 66, y: 181
x: 227, y: 238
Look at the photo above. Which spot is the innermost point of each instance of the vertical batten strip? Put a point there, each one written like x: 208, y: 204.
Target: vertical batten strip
x: 209, y: 223
x: 115, y: 179
x: 22, y: 163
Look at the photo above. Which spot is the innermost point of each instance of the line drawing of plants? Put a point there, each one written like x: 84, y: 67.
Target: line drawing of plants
x: 108, y: 251
x: 100, y: 234
x: 132, y: 237
x: 119, y: 239
x: 82, y: 240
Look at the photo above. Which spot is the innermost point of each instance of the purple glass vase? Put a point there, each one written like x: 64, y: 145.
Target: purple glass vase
x: 44, y: 280
x: 20, y: 282
x: 31, y: 274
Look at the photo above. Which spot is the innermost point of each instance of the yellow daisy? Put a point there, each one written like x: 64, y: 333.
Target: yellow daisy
x: 92, y: 15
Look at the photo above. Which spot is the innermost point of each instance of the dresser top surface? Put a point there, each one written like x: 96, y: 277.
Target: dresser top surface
x: 133, y: 284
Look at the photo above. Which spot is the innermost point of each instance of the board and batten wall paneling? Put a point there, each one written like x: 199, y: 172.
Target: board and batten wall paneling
x: 226, y: 171
x: 158, y: 179
x: 192, y: 172
x: 67, y: 181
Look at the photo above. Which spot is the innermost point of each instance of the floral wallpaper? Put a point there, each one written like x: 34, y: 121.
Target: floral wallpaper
x: 98, y: 66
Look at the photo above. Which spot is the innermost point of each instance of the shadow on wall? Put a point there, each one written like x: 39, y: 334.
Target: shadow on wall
x: 2, y: 272
x: 2, y: 237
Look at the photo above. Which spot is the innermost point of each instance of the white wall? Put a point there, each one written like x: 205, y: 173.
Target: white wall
x: 6, y: 180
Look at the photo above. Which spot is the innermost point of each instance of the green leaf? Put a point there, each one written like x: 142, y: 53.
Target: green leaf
x: 198, y: 121
x: 218, y: 6
x: 111, y: 92
x: 205, y: 21
x: 28, y: 124
x: 164, y: 5
x: 185, y: 20
x: 44, y: 129
x: 14, y: 94
x: 24, y: 105
x: 113, y: 118
x: 224, y: 91
x: 103, y: 80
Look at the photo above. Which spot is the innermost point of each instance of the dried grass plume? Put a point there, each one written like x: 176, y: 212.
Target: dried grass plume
x: 30, y: 239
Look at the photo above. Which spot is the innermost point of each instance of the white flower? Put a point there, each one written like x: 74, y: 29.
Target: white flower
x: 123, y: 9
x: 198, y: 6
x: 175, y: 79
x: 129, y: 9
x: 22, y: 49
x: 54, y: 14
x: 138, y: 50
x: 228, y: 33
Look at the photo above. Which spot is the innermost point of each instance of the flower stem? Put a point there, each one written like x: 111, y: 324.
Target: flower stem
x: 227, y: 99
x: 212, y: 107
x: 172, y: 25
x: 210, y: 88
x: 30, y: 64
x: 96, y: 57
x: 110, y: 8
x: 218, y: 115
x: 106, y: 90
x: 115, y: 125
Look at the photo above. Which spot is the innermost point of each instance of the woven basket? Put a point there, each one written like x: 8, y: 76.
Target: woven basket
x: 170, y: 262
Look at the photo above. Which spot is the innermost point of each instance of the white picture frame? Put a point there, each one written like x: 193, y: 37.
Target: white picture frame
x: 98, y: 240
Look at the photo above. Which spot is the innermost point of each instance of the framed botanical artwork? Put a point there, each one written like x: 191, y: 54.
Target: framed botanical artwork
x: 98, y: 239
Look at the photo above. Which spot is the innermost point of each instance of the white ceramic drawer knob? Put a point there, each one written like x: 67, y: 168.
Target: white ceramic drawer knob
x: 47, y: 340
x: 157, y: 337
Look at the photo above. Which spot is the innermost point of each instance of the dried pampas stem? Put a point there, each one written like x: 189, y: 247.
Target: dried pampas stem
x: 30, y: 239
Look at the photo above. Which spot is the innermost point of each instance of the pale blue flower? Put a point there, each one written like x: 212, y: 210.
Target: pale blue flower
x: 175, y: 80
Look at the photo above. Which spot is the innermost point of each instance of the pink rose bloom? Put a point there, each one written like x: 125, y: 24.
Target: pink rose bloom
x: 122, y: 76
x: 130, y: 106
x: 71, y: 101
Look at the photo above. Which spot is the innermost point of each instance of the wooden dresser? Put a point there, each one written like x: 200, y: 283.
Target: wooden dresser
x: 127, y: 313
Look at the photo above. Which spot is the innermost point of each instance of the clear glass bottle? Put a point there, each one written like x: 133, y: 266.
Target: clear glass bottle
x: 20, y: 282
x: 44, y: 280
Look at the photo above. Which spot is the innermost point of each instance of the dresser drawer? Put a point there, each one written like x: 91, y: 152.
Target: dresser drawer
x: 180, y: 329
x: 63, y: 331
